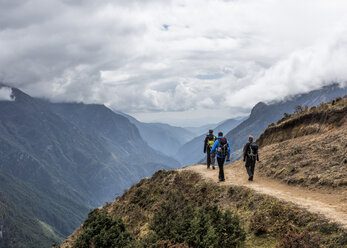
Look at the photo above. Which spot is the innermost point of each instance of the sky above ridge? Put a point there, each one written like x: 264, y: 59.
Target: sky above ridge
x: 183, y: 62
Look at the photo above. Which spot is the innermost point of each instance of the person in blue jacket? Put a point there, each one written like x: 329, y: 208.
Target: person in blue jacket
x: 222, y: 149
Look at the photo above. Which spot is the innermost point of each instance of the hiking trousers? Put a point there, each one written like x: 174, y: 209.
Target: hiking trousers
x: 250, y: 166
x: 221, y: 169
x: 210, y: 157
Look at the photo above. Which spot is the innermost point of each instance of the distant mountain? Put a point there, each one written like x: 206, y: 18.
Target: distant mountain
x: 116, y: 132
x: 192, y: 151
x: 264, y: 114
x: 162, y: 137
x: 202, y: 129
x: 62, y: 159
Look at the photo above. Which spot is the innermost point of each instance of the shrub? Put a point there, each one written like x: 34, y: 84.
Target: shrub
x: 102, y: 231
x: 286, y: 115
x: 298, y: 109
x: 302, y: 240
x: 338, y: 99
x: 168, y: 244
x: 179, y: 221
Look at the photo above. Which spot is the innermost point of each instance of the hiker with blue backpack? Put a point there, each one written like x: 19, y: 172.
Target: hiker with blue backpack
x: 222, y: 149
x: 250, y: 155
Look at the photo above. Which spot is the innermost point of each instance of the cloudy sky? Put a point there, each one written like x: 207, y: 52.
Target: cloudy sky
x: 185, y: 62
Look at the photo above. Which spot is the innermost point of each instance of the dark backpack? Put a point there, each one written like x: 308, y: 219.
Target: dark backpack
x: 223, y: 147
x: 253, y: 150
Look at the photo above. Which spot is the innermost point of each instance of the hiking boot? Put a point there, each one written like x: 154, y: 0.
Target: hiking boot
x: 213, y: 167
x: 208, y: 167
x: 221, y: 180
x: 250, y: 178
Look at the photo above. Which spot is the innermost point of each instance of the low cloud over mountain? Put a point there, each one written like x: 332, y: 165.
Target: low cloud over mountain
x: 6, y: 94
x: 179, y: 56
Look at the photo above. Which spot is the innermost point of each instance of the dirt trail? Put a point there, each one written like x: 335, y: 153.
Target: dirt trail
x: 332, y: 204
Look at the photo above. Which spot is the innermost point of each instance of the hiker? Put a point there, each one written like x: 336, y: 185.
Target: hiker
x: 222, y: 149
x: 250, y: 155
x: 209, y: 141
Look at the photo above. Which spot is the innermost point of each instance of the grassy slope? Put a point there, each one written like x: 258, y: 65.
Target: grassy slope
x: 22, y: 230
x: 308, y: 148
x: 46, y: 206
x: 267, y: 221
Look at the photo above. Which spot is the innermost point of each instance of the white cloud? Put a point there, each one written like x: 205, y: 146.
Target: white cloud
x: 179, y: 55
x: 6, y: 94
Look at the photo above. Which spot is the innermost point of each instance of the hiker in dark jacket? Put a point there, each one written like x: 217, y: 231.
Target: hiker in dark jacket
x: 222, y: 149
x: 208, y: 143
x: 250, y: 155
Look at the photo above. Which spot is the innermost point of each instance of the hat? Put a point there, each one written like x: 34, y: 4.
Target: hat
x: 210, y: 131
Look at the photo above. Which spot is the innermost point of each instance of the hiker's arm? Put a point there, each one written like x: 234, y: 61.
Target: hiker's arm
x: 244, y: 152
x: 205, y: 144
x: 214, y: 146
x: 228, y: 156
x: 257, y: 156
x: 229, y: 150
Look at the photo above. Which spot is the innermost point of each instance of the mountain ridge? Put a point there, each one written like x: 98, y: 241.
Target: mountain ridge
x: 47, y: 154
x: 263, y: 115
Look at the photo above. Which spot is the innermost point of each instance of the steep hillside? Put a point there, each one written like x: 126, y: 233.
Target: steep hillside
x: 117, y: 134
x: 262, y: 115
x: 57, y: 167
x: 49, y: 208
x: 309, y: 147
x: 22, y: 230
x: 162, y: 137
x: 181, y: 209
x: 192, y: 151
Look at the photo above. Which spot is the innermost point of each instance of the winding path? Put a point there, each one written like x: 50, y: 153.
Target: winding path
x: 330, y: 203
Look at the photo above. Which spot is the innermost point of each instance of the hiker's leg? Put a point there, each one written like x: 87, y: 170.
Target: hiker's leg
x: 248, y: 167
x: 249, y: 171
x: 221, y: 169
x: 213, y: 158
x: 222, y: 173
x: 208, y: 157
x: 252, y: 168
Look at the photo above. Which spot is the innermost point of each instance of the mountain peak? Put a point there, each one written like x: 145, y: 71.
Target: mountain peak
x: 259, y: 107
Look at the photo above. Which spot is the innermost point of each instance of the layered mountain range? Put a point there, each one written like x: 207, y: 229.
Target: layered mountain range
x: 162, y: 137
x: 67, y: 158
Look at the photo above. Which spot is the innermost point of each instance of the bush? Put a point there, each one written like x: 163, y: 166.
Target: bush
x: 102, y: 231
x: 168, y: 244
x: 302, y: 240
x: 179, y: 221
x: 286, y: 115
x: 298, y: 109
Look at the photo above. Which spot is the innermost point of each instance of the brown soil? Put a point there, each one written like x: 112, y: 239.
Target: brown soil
x: 309, y: 148
x: 313, y: 161
x: 332, y: 204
